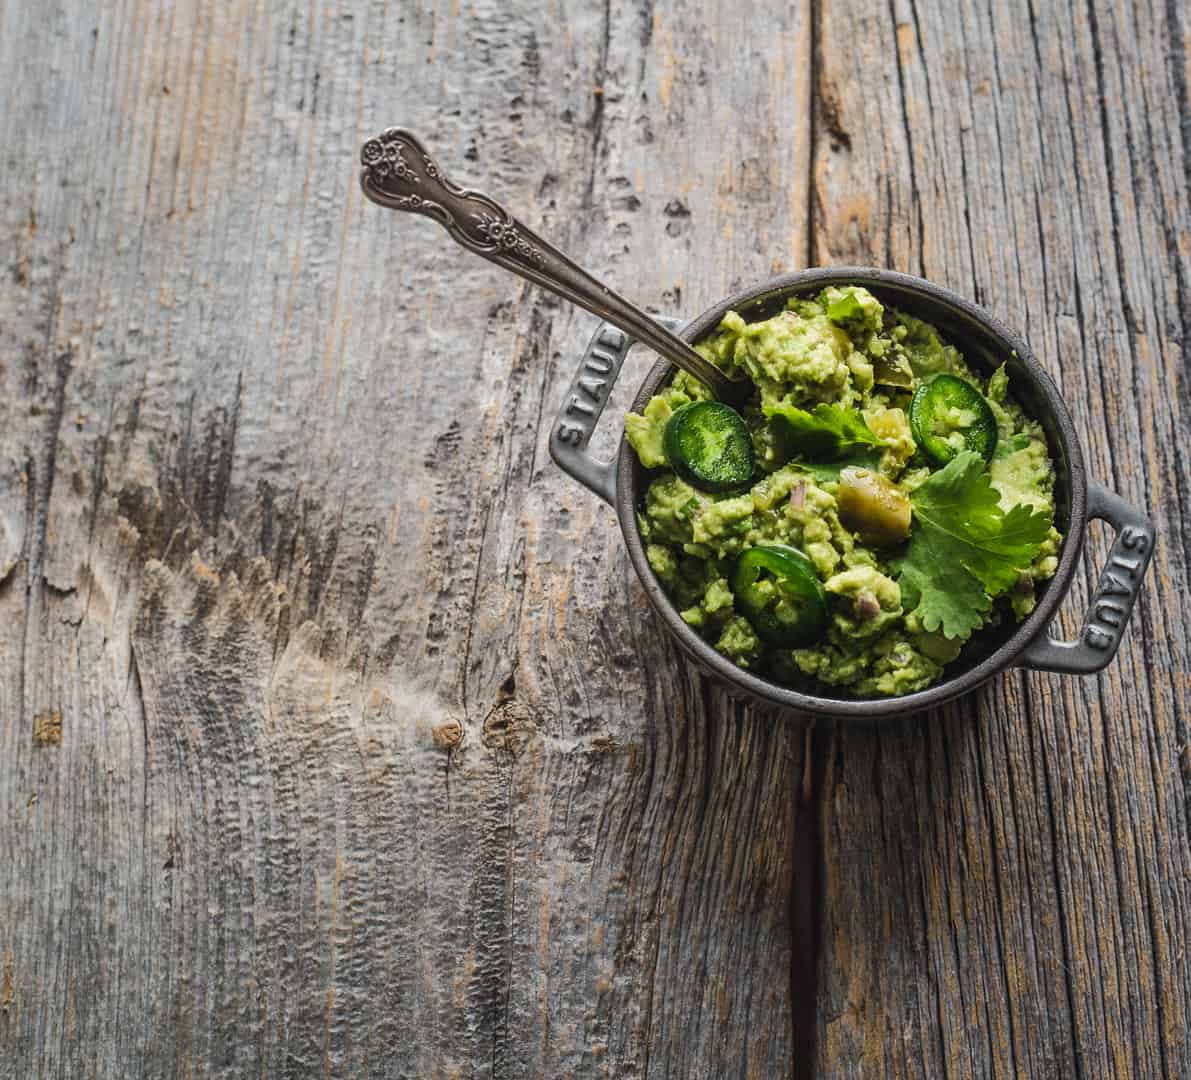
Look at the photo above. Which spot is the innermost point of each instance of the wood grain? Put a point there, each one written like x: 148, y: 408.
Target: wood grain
x: 1010, y: 877
x: 334, y: 737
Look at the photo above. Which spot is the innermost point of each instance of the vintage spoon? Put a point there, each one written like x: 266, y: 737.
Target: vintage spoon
x: 400, y: 174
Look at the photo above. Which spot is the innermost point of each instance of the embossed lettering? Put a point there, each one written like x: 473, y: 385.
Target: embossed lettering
x: 1134, y: 539
x: 593, y: 388
x: 611, y: 337
x: 1113, y: 585
x: 571, y: 434
x: 1115, y: 616
x: 575, y: 405
x: 600, y: 363
x: 1121, y: 563
x: 1097, y: 638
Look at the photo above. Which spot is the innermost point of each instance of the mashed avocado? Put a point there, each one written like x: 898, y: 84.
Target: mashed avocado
x: 833, y: 443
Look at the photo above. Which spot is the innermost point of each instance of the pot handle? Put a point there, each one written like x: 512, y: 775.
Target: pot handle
x: 1112, y: 602
x: 584, y: 402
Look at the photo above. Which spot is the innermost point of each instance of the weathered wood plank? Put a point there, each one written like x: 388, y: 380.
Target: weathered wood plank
x: 1007, y: 882
x: 334, y: 738
x: 369, y: 761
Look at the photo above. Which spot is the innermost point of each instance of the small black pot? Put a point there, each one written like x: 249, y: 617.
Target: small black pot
x: 985, y: 343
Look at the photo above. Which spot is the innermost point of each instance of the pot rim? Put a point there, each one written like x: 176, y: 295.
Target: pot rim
x: 1068, y: 463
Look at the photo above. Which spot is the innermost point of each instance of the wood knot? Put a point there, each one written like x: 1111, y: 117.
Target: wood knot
x: 47, y: 728
x: 8, y: 989
x: 447, y: 734
x: 509, y: 726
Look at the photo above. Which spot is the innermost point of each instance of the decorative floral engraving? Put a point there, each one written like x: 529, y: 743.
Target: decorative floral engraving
x: 504, y: 234
x: 492, y: 228
x: 395, y: 162
x: 394, y: 159
x: 385, y: 157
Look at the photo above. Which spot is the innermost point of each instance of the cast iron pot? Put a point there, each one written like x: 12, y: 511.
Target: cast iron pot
x: 985, y: 344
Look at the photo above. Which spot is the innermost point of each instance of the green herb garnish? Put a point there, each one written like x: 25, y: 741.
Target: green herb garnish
x: 964, y: 549
x: 825, y: 434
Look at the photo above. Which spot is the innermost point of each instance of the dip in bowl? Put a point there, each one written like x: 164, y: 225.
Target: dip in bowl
x: 870, y: 508
x: 1007, y: 625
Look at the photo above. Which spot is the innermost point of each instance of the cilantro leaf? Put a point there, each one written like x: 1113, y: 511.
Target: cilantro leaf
x: 960, y: 504
x: 844, y: 306
x: 830, y: 470
x: 824, y: 434
x: 964, y: 549
x: 941, y: 592
x: 853, y: 307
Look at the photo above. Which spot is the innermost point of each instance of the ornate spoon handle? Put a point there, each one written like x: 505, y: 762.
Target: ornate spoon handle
x: 400, y: 174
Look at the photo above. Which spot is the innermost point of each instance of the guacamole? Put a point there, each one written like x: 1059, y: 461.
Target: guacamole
x: 899, y: 502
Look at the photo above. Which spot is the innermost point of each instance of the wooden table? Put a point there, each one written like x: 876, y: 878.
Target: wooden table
x: 335, y: 735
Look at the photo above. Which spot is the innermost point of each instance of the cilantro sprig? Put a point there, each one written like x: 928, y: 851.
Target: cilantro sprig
x: 825, y: 434
x: 827, y: 439
x: 964, y: 549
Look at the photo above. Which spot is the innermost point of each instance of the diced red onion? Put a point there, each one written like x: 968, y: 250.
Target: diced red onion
x: 867, y: 606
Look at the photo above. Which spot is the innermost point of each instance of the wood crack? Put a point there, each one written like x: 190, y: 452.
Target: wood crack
x: 1113, y: 179
x: 596, y: 124
x: 222, y: 480
x: 816, y: 97
x: 1119, y: 873
x: 915, y: 194
x: 940, y: 1015
x: 808, y: 836
x: 43, y: 471
x: 1177, y: 64
x: 998, y: 895
x: 46, y: 470
x: 136, y: 698
x: 1057, y: 844
x: 807, y: 909
x: 500, y: 1036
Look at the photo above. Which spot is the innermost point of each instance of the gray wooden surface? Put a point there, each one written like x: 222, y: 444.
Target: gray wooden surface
x: 335, y: 736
